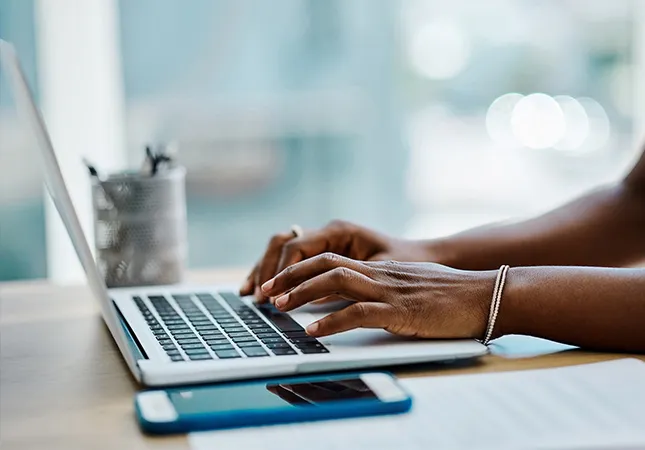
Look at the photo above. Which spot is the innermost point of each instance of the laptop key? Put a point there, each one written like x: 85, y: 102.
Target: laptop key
x: 248, y: 344
x: 307, y: 340
x: 170, y: 317
x: 263, y: 330
x: 254, y: 352
x: 187, y: 347
x: 214, y: 341
x: 272, y: 340
x: 219, y: 347
x: 200, y: 357
x: 239, y: 334
x: 227, y: 320
x: 283, y: 351
x: 184, y: 335
x: 281, y: 321
x: 189, y: 341
x: 259, y: 327
x: 196, y: 351
x: 227, y: 354
x: 165, y: 341
x: 206, y: 326
x: 313, y: 349
x: 174, y: 322
x: 213, y: 332
x: 169, y: 347
x: 175, y: 351
x: 275, y: 345
x: 297, y: 333
x: 231, y: 298
x: 248, y: 338
x: 230, y: 330
x: 176, y: 358
x: 267, y: 336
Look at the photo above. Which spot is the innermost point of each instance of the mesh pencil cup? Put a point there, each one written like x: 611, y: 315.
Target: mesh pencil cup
x: 140, y: 227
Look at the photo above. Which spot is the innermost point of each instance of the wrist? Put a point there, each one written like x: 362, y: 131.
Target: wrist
x: 440, y: 251
x: 483, y: 283
x: 511, y: 320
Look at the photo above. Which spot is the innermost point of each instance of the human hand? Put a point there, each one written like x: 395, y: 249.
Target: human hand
x: 423, y: 300
x: 342, y: 238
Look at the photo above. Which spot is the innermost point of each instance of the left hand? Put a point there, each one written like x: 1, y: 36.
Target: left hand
x: 423, y: 300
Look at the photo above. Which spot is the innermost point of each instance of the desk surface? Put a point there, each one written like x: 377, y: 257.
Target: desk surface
x: 63, y: 384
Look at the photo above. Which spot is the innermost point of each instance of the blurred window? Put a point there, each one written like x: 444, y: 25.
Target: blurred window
x: 417, y: 117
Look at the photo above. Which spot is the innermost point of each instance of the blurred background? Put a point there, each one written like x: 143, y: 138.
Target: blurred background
x: 417, y: 117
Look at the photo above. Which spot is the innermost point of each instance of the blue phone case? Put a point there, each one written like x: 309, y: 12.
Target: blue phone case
x: 236, y: 419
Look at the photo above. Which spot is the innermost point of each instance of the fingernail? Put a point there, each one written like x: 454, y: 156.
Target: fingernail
x: 266, y: 287
x: 281, y: 301
x: 313, y: 328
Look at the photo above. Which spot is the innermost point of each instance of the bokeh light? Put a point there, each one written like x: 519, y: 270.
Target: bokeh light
x: 599, y: 126
x: 537, y: 121
x: 439, y: 49
x: 576, y: 124
x: 621, y: 85
x: 498, y: 118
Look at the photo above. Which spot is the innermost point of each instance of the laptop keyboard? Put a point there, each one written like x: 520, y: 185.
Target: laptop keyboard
x: 222, y: 326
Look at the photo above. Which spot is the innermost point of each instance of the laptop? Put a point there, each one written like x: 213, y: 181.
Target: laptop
x: 181, y: 334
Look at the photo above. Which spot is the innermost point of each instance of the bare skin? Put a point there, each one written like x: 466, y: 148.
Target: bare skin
x: 572, y: 277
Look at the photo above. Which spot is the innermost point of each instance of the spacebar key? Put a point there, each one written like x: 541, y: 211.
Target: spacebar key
x: 282, y: 321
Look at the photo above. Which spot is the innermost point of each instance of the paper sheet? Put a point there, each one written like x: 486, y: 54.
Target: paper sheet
x: 589, y: 406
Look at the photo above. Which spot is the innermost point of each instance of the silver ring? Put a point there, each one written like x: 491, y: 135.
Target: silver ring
x: 297, y: 231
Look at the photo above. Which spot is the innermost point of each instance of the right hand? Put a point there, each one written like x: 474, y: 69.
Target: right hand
x: 342, y: 238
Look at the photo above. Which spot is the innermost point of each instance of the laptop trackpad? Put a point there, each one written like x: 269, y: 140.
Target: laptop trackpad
x: 355, y: 338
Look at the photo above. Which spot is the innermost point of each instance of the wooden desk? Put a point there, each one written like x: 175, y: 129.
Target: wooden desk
x: 63, y: 384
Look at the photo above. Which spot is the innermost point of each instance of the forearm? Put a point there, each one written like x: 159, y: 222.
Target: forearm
x: 594, y: 308
x: 604, y: 228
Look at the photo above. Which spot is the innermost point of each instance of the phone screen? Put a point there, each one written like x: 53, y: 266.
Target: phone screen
x: 267, y: 395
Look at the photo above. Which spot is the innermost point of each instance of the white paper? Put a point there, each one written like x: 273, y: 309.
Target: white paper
x: 589, y: 406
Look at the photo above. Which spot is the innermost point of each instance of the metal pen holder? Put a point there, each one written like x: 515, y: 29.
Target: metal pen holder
x: 140, y: 227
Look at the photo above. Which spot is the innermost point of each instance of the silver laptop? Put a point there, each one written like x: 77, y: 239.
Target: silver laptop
x: 182, y: 334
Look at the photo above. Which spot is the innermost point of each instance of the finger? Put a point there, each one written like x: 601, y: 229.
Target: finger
x: 321, y: 301
x: 341, y: 281
x: 294, y: 275
x: 249, y: 284
x: 328, y: 299
x: 269, y: 262
x: 358, y: 315
x: 332, y: 238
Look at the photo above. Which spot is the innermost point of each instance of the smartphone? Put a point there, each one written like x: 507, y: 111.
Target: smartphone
x: 250, y: 403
